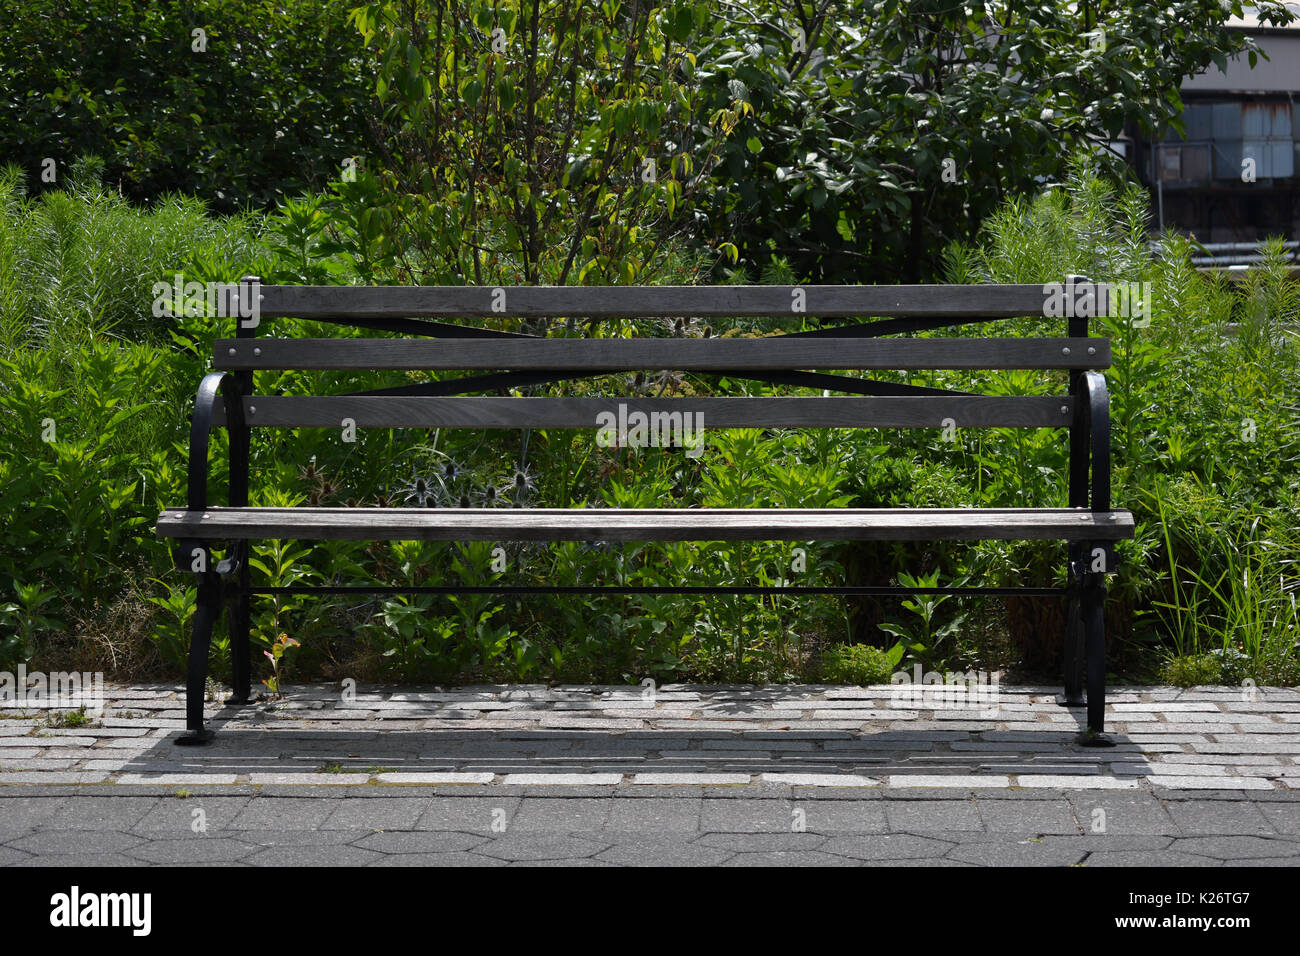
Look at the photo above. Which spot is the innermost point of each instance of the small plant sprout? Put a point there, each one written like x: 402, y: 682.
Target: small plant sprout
x: 69, y: 718
x: 275, y: 655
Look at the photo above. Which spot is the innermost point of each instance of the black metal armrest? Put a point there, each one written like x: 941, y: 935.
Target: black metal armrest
x: 1097, y: 405
x: 201, y: 429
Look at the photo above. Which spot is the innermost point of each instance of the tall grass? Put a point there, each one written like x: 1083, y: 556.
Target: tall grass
x: 1206, y: 419
x: 83, y: 260
x: 93, y: 400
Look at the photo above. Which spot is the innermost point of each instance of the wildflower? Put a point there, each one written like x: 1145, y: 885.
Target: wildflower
x: 420, y: 490
x: 523, y: 483
x: 490, y: 496
x: 667, y: 380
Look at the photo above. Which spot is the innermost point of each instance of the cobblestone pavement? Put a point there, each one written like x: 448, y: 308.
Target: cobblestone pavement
x: 681, y: 775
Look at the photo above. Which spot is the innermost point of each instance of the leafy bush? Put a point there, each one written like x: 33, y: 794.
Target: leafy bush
x: 1206, y: 424
x: 1196, y: 670
x: 83, y: 261
x: 267, y: 101
x: 865, y: 140
x: 858, y: 664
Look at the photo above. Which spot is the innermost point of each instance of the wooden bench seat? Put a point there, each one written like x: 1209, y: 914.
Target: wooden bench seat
x: 649, y: 524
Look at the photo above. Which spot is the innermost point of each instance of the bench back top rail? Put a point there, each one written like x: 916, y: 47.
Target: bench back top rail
x: 990, y: 301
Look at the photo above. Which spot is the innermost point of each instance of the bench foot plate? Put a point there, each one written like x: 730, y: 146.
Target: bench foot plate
x: 1090, y: 739
x: 194, y: 738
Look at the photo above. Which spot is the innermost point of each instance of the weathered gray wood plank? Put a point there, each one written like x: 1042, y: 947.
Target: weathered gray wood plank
x: 990, y: 301
x: 815, y: 412
x: 657, y: 524
x: 685, y: 354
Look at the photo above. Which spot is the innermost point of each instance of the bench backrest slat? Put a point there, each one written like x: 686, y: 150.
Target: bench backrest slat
x: 589, y: 355
x: 988, y: 301
x: 831, y: 412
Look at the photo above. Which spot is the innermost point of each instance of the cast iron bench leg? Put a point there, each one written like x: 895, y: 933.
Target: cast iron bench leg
x: 1074, y: 652
x: 237, y: 614
x: 205, y: 618
x: 1094, y: 623
x: 1074, y: 634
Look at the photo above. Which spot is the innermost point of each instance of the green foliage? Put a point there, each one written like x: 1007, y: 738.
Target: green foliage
x: 23, y: 620
x: 1196, y: 670
x: 83, y: 261
x: 920, y: 635
x: 268, y: 101
x: 83, y: 473
x: 1205, y: 408
x: 179, y: 601
x: 858, y: 664
x: 865, y: 137
x: 516, y: 140
x: 65, y: 719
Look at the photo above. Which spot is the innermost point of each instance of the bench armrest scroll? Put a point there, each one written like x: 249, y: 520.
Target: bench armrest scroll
x: 1097, y: 408
x: 205, y: 401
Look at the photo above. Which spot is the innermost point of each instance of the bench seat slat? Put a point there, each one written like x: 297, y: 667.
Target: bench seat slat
x: 620, y: 355
x: 647, y: 524
x: 987, y: 301
x: 927, y: 411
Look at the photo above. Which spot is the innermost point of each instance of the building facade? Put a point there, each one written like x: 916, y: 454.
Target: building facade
x: 1235, y: 174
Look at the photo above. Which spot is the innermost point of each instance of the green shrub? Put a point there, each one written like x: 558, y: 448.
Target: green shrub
x: 859, y: 664
x: 1194, y: 670
x: 83, y: 261
x: 273, y: 103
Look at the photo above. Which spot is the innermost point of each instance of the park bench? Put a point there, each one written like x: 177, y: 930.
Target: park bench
x: 501, y: 361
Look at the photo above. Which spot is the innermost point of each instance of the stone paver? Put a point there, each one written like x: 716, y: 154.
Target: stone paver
x: 697, y: 775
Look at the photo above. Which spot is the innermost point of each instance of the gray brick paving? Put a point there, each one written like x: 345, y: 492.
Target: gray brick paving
x: 422, y: 842
x: 786, y: 858
x: 1231, y: 848
x: 1030, y: 852
x: 438, y: 859
x: 212, y: 850
x: 315, y: 856
x: 74, y: 842
x: 1157, y: 858
x: 394, y: 813
x: 545, y: 846
x: 891, y: 846
x: 1220, y: 817
x: 1040, y: 817
x: 700, y: 775
x: 87, y: 860
x: 915, y: 814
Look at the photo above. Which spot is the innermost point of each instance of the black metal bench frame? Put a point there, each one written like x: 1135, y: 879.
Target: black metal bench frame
x: 226, y: 398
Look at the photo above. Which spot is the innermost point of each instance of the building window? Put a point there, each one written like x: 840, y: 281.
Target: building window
x: 1220, y: 136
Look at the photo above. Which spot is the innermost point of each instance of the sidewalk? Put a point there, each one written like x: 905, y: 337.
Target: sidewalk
x: 697, y: 775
